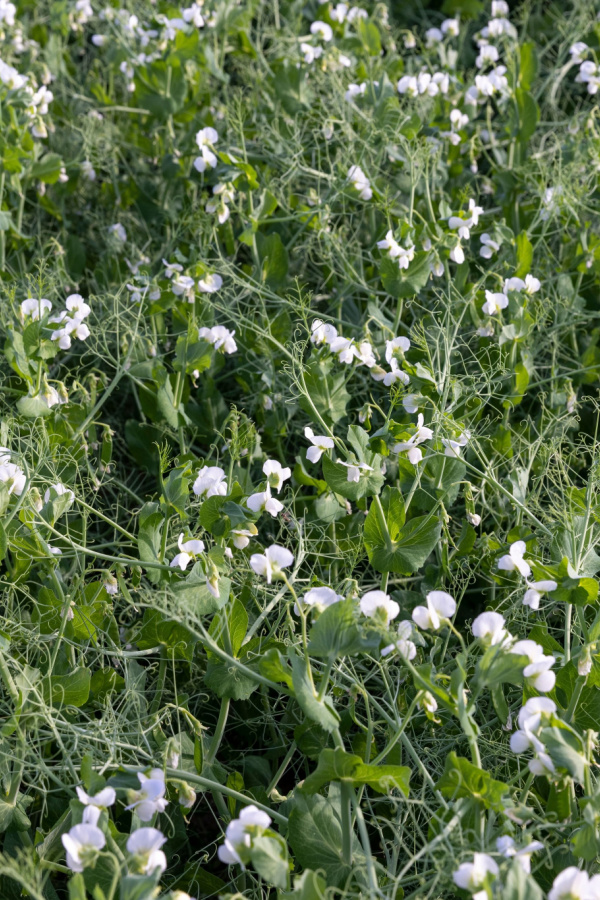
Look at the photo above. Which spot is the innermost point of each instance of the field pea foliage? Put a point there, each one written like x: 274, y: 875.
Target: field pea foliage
x: 299, y: 480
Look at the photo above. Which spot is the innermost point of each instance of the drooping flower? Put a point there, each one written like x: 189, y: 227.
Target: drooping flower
x: 575, y: 884
x: 239, y: 834
x: 410, y: 446
x: 210, y: 283
x: 187, y: 551
x: 402, y: 644
x: 494, y: 302
x: 513, y: 560
x: 35, y: 309
x: 82, y: 843
x: 379, y: 605
x: 355, y: 469
x: 262, y: 501
x: 103, y: 799
x: 320, y: 443
x: 473, y: 876
x: 506, y: 846
x: 534, y: 592
x: 322, y: 30
x: 360, y: 182
x: 488, y: 247
x: 318, y: 598
x: 149, y: 799
x: 453, y: 447
x: 210, y: 483
x: 271, y: 562
x: 440, y: 607
x: 144, y: 845
x: 322, y: 332
x: 489, y: 628
x: 276, y: 474
x: 206, y: 138
x: 537, y: 673
x: 220, y: 337
x: 13, y: 477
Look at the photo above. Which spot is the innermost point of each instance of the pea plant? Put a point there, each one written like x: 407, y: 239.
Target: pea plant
x: 299, y: 471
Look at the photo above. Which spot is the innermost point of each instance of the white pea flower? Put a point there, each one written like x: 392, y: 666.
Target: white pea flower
x: 500, y: 8
x: 239, y: 834
x: 487, y: 54
x: 103, y: 799
x: 262, y: 501
x: 428, y: 702
x: 475, y: 875
x: 355, y: 470
x: 149, y: 799
x: 534, y: 592
x: 220, y: 337
x: 440, y: 607
x: 514, y: 560
x: 575, y: 884
x: 210, y: 283
x: 366, y: 356
x: 322, y: 30
x: 320, y: 443
x: 410, y: 402
x: 310, y: 53
x: 410, y: 447
x: 223, y: 194
x: 271, y: 562
x: 395, y: 374
x: 345, y: 348
x: 193, y: 15
x: 506, y: 846
x: 172, y: 269
x: 474, y: 519
x: 408, y: 85
x: 379, y: 605
x: 241, y: 537
x: 58, y: 490
x: 206, y: 138
x: 577, y: 51
x: 360, y: 182
x: 537, y: 673
x: 433, y: 36
x: 322, y: 333
x: 187, y: 551
x: 453, y: 447
x: 488, y: 248
x: 355, y: 90
x: 585, y: 663
x: 339, y: 12
x: 210, y: 483
x: 461, y: 226
x: 403, y: 644
x: 110, y: 584
x: 396, y: 348
x: 457, y: 254
x: 276, y: 474
x: 82, y: 843
x: 13, y: 477
x: 489, y: 628
x: 318, y: 598
x: 183, y: 285
x: 494, y: 302
x: 35, y: 309
x: 119, y: 231
x: 450, y: 27
x: 533, y: 716
x: 144, y: 845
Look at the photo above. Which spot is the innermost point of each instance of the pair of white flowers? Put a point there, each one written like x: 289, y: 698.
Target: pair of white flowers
x: 263, y: 501
x: 489, y: 628
x: 424, y: 83
x: 514, y: 561
x: 223, y: 195
x: 239, y: 834
x: 395, y: 251
x: 220, y: 337
x: 360, y: 182
x: 535, y: 714
x: 411, y: 447
x: 206, y: 138
x: 84, y: 842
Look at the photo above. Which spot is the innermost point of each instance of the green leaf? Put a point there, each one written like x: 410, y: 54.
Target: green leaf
x: 151, y: 521
x: 337, y: 765
x: 524, y: 255
x: 308, y: 886
x: 269, y: 858
x: 336, y: 633
x: 320, y: 711
x: 528, y: 65
x: 565, y: 751
x: 138, y: 887
x: 336, y: 476
x: 77, y: 887
x: 463, y: 779
x: 273, y: 665
x: 47, y: 169
x: 68, y: 690
x: 529, y: 114
x: 408, y: 552
x: 3, y: 542
x: 273, y: 258
x: 315, y: 836
x: 405, y: 282
x: 326, y: 390
x: 369, y: 36
x: 158, y: 629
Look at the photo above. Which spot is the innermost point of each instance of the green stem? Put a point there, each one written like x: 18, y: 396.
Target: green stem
x: 219, y: 730
x: 160, y: 681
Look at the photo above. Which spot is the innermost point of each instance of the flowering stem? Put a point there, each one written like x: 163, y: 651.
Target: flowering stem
x: 579, y: 685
